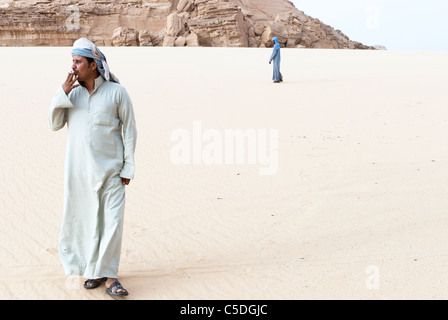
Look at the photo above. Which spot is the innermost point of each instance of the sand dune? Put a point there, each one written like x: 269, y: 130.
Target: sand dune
x: 356, y: 209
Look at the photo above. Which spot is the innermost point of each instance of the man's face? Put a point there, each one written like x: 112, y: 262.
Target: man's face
x: 82, y: 69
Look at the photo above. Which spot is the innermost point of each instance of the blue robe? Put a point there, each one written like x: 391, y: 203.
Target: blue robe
x: 276, y: 57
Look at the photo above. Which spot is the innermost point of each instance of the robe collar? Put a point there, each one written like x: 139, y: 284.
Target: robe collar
x: 98, y: 82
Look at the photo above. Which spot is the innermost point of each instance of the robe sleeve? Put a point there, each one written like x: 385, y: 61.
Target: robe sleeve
x: 126, y: 115
x: 58, y: 110
x: 274, y: 53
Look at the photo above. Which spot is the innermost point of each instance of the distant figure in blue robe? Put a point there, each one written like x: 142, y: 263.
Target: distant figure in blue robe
x: 277, y: 77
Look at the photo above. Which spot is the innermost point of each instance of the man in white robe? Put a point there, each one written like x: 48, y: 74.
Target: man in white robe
x: 99, y: 164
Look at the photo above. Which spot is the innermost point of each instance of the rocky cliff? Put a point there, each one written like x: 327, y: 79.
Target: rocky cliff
x: 232, y: 23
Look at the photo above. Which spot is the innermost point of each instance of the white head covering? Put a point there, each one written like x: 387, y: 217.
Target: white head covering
x: 84, y: 47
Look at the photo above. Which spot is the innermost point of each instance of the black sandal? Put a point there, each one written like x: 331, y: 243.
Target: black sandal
x: 94, y: 283
x: 114, y: 287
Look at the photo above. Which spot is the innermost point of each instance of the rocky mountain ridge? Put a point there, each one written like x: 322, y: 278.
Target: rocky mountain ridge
x: 216, y: 23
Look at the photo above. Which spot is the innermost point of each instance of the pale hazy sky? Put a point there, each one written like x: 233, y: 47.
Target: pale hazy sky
x: 397, y: 24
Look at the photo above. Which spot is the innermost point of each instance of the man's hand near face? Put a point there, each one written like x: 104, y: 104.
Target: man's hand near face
x: 69, y: 83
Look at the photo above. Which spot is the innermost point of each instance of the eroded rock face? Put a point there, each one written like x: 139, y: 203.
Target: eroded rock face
x: 61, y: 22
x: 219, y: 23
x: 231, y: 23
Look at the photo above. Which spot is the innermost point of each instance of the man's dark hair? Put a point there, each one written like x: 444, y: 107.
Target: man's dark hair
x: 90, y: 60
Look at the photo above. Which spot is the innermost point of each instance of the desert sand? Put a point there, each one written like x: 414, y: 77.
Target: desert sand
x: 357, y: 208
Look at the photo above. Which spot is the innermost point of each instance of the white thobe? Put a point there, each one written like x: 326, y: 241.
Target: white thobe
x: 100, y: 151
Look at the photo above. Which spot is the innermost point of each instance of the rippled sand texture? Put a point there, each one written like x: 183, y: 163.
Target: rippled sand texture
x: 356, y: 210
